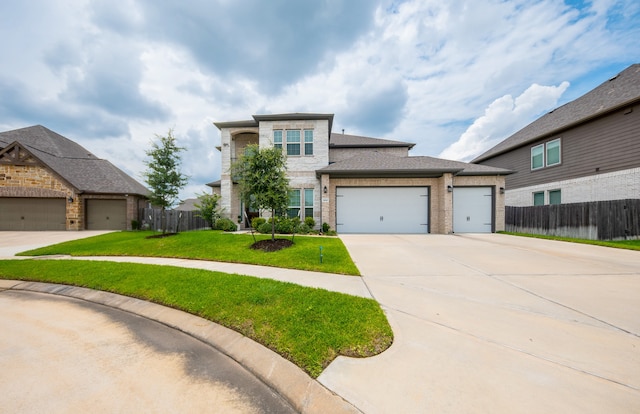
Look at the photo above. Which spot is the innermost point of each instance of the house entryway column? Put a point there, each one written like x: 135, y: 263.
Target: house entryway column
x: 447, y: 203
x: 325, y: 201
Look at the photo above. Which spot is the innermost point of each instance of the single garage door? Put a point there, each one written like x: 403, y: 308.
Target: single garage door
x: 472, y: 209
x: 106, y: 214
x: 382, y: 210
x: 21, y: 214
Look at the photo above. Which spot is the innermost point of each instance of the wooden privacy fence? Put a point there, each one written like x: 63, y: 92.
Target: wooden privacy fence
x: 176, y: 220
x: 597, y: 220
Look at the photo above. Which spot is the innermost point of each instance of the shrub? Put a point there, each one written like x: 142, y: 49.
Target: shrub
x: 286, y: 226
x: 304, y: 228
x: 135, y: 225
x: 310, y: 222
x: 325, y: 227
x: 264, y: 228
x: 225, y: 224
x: 257, y: 222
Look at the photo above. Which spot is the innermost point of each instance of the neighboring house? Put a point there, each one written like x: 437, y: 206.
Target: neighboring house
x: 364, y: 185
x: 586, y: 150
x: 48, y: 182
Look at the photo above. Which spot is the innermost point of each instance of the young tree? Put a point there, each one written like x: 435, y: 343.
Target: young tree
x: 163, y: 173
x: 261, y: 174
x: 208, y: 209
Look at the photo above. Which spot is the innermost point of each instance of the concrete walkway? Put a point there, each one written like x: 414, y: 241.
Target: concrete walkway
x: 496, y: 323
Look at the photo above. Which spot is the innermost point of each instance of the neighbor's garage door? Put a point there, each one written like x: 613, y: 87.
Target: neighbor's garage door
x: 472, y: 209
x: 382, y: 209
x: 106, y: 214
x: 20, y: 214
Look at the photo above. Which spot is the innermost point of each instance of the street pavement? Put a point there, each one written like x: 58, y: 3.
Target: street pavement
x: 63, y: 355
x: 482, y: 323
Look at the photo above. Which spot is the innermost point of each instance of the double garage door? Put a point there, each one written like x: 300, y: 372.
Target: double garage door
x: 382, y: 210
x: 26, y: 214
x: 405, y: 210
x: 23, y: 214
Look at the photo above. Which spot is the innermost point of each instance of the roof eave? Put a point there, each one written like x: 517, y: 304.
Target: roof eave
x: 558, y: 130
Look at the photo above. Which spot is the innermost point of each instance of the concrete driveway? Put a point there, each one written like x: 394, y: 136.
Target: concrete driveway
x: 496, y: 323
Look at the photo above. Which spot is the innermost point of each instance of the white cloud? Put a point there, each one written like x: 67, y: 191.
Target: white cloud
x: 503, y: 117
x: 111, y: 75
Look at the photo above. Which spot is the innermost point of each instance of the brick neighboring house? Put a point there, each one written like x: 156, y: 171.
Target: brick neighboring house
x: 586, y: 150
x: 48, y: 182
x: 361, y: 184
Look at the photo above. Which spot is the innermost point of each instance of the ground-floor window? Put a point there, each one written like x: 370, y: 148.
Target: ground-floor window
x: 538, y: 198
x: 299, y: 198
x: 555, y: 197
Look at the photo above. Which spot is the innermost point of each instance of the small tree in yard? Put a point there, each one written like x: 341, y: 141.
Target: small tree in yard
x: 207, y: 206
x: 163, y: 173
x: 261, y: 174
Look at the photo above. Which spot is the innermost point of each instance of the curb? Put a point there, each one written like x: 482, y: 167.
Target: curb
x: 304, y: 393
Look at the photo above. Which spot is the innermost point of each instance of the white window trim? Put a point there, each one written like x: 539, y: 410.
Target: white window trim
x: 546, y: 150
x: 543, y: 157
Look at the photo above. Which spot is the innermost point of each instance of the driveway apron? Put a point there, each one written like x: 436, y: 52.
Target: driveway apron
x: 497, y: 323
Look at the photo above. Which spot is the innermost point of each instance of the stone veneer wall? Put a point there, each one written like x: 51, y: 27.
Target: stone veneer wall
x: 36, y: 181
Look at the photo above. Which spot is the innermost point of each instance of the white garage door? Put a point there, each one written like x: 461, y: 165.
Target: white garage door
x: 472, y: 210
x: 382, y: 210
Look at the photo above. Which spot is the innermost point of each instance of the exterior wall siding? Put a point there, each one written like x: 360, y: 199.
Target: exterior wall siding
x: 607, y: 144
x: 618, y: 185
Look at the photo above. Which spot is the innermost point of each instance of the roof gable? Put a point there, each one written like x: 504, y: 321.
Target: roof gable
x: 16, y: 154
x: 616, y: 93
x: 67, y: 159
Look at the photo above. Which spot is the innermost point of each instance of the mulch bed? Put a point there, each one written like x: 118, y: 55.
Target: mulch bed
x: 272, y: 245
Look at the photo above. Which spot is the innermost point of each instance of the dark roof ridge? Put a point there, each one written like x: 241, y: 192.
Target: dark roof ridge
x: 595, y: 103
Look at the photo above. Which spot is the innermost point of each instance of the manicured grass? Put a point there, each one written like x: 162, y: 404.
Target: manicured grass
x: 308, y: 326
x: 213, y: 245
x: 619, y: 244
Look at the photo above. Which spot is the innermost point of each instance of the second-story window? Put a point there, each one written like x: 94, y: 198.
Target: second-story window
x: 546, y: 155
x: 294, y: 141
x: 308, y: 142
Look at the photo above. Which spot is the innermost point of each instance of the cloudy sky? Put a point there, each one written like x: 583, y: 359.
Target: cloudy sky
x: 455, y: 77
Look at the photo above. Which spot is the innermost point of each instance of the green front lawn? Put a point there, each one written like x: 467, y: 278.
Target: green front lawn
x: 213, y: 245
x: 308, y: 326
x: 619, y: 244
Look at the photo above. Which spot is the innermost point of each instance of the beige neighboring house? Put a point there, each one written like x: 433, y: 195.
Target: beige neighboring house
x: 48, y: 182
x: 361, y: 184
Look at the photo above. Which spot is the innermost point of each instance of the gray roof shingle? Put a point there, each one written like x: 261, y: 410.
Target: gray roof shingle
x: 79, y: 167
x: 385, y: 165
x: 617, y: 92
x: 355, y: 141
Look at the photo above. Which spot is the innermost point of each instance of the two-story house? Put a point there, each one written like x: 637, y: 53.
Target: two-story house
x: 586, y: 150
x: 364, y: 185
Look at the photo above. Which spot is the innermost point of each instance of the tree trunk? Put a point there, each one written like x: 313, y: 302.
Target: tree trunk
x: 273, y: 224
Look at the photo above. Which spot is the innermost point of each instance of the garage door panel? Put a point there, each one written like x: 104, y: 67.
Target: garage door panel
x: 472, y: 209
x: 106, y: 214
x: 29, y: 214
x: 382, y: 210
